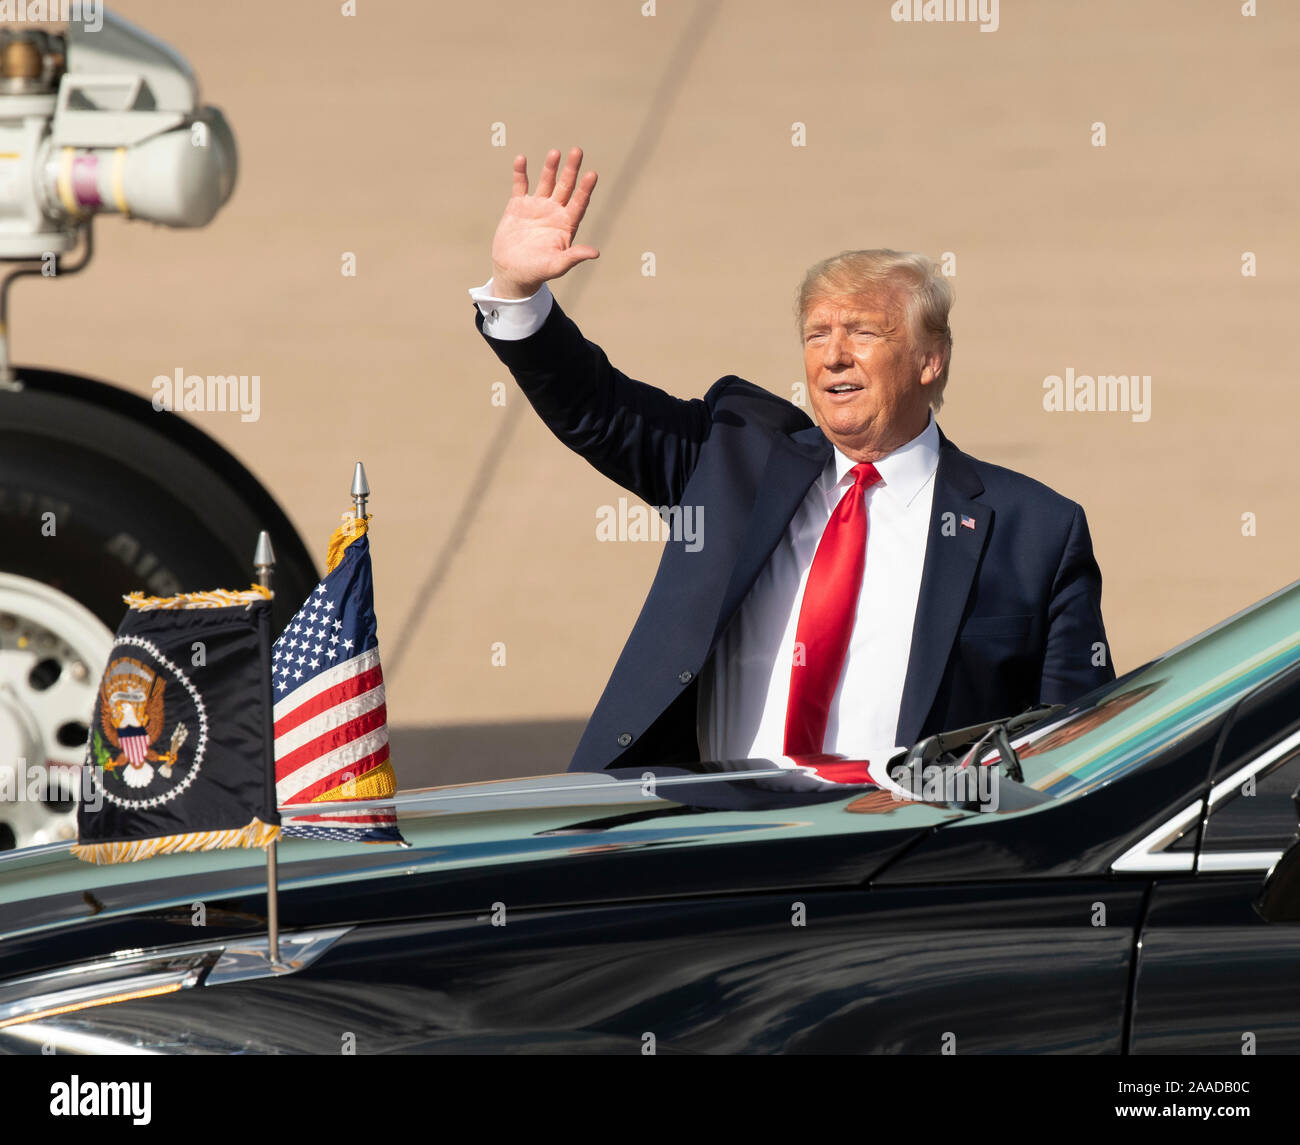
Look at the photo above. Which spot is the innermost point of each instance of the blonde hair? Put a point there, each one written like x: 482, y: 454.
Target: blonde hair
x: 929, y: 296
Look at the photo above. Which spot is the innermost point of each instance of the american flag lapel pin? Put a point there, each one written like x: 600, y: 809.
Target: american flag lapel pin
x: 967, y: 522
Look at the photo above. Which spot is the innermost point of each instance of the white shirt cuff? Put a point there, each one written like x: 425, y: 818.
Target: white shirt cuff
x: 510, y: 319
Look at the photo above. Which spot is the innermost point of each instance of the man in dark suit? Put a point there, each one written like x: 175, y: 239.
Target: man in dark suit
x: 855, y: 584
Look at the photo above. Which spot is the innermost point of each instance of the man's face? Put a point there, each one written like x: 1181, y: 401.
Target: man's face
x: 869, y: 385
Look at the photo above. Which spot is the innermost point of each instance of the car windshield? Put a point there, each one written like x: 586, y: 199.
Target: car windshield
x: 1117, y: 728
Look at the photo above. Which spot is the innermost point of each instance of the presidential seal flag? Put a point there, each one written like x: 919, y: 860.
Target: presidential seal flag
x: 331, y: 719
x: 180, y: 746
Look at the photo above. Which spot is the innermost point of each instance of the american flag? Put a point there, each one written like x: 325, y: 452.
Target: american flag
x: 331, y: 728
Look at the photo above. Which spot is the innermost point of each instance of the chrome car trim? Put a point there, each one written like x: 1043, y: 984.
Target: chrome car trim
x: 61, y: 991
x: 65, y: 1041
x: 1148, y: 853
x: 1238, y: 860
x: 132, y: 974
x: 249, y: 959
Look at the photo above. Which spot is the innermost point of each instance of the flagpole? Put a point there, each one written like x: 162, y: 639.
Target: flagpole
x: 360, y: 491
x: 264, y: 564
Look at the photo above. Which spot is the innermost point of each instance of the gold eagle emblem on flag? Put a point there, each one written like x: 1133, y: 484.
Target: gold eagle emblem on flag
x: 131, y: 714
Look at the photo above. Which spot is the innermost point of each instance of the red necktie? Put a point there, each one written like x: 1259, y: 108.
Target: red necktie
x: 830, y: 603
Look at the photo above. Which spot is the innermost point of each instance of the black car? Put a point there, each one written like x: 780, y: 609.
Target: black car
x: 1087, y: 882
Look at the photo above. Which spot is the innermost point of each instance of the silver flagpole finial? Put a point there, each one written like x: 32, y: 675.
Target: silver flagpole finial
x: 360, y: 489
x: 264, y: 558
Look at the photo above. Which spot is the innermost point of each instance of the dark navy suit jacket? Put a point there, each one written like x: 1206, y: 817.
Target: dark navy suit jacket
x: 1009, y: 612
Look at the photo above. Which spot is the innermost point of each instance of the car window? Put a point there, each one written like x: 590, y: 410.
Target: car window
x: 1267, y: 718
x: 1260, y: 814
x: 1120, y: 727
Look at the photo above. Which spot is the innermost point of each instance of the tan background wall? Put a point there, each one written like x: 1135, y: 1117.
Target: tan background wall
x: 374, y: 134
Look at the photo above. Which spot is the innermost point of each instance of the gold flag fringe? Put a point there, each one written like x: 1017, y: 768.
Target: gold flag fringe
x: 352, y: 528
x: 377, y: 783
x: 256, y: 834
x: 217, y: 598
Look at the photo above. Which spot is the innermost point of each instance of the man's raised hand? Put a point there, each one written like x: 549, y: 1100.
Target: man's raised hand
x: 534, y: 240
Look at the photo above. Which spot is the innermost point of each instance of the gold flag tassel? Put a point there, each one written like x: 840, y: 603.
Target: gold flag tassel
x: 377, y: 783
x: 255, y: 834
x: 216, y: 598
x: 351, y: 529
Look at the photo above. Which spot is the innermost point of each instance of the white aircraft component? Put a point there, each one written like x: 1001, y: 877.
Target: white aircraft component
x: 102, y: 120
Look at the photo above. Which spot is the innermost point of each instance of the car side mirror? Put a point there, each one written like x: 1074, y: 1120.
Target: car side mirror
x: 1279, y: 901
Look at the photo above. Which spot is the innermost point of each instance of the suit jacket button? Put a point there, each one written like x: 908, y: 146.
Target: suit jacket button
x: 624, y: 739
x: 685, y: 677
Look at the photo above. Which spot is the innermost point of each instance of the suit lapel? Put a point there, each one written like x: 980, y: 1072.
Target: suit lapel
x: 959, y: 530
x: 793, y: 464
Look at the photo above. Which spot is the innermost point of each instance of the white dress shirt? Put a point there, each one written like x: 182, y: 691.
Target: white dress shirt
x: 746, y: 683
x: 512, y: 318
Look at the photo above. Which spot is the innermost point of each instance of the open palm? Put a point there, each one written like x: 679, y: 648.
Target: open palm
x: 534, y: 240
